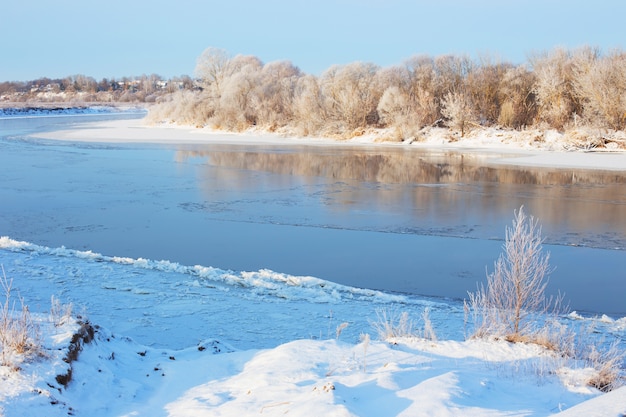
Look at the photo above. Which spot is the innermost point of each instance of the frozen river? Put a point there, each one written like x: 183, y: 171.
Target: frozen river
x: 409, y: 221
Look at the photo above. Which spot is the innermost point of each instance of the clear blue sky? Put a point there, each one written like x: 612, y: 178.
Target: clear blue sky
x: 132, y: 37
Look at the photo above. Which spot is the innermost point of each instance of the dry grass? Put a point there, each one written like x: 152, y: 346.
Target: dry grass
x: 59, y: 313
x: 389, y: 325
x: 19, y: 334
x: 392, y: 324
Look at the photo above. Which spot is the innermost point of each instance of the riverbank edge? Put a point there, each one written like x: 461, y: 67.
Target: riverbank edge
x: 499, y: 147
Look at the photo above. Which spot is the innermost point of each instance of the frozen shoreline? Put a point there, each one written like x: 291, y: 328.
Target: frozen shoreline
x: 487, y: 143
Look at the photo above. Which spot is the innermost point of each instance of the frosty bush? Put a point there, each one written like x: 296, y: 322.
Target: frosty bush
x: 457, y: 109
x: 515, y: 290
x: 513, y: 306
x: 389, y: 325
x: 600, y: 84
x: 553, y: 87
x: 392, y: 324
x: 19, y: 334
x: 60, y: 314
x: 350, y: 95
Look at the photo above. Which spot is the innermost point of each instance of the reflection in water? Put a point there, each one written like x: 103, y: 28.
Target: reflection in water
x: 394, y: 166
x: 440, y: 193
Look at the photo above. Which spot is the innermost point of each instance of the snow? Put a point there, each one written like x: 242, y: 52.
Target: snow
x: 115, y: 376
x: 194, y: 340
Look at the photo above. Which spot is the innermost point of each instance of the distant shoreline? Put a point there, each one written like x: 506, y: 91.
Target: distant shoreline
x: 67, y: 105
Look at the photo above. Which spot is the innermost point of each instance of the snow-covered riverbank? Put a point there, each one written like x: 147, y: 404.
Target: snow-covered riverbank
x: 520, y: 148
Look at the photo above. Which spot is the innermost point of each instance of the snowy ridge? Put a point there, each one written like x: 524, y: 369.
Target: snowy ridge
x: 264, y: 282
x: 114, y: 376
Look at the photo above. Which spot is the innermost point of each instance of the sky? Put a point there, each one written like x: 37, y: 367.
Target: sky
x: 115, y: 38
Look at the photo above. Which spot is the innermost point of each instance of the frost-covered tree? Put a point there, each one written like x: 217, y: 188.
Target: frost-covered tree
x: 483, y: 85
x: 515, y: 290
x: 395, y: 110
x: 408, y: 102
x: 350, y: 96
x: 234, y: 110
x: 600, y: 84
x: 273, y: 96
x: 458, y: 111
x: 307, y: 106
x: 422, y: 88
x: 211, y: 68
x: 518, y: 106
x: 553, y: 88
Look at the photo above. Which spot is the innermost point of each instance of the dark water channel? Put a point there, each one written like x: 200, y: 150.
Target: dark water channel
x: 387, y: 218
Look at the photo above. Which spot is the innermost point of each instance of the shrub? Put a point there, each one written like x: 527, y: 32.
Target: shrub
x: 600, y: 84
x: 19, y: 334
x: 513, y: 306
x: 390, y: 325
x: 457, y: 109
x: 59, y: 313
x: 607, y: 363
x: 516, y: 289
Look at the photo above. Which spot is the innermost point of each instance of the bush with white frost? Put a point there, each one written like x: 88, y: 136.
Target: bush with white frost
x: 515, y: 290
x: 513, y: 306
x: 19, y: 333
x: 391, y: 324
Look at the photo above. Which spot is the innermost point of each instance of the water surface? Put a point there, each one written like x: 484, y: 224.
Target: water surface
x: 394, y: 219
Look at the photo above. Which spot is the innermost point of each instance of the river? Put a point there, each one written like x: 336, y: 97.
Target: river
x: 400, y: 220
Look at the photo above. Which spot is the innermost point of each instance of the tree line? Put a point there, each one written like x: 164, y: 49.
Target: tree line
x: 558, y: 89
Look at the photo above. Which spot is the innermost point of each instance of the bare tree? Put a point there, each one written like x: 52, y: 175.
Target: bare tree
x: 516, y: 288
x: 307, y: 106
x: 555, y: 97
x: 350, y: 95
x: 211, y: 68
x: 457, y: 108
x: 273, y: 95
x: 518, y: 105
x: 396, y: 111
x: 600, y: 83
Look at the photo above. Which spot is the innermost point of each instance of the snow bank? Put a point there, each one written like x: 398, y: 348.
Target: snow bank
x: 513, y: 148
x: 113, y: 376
